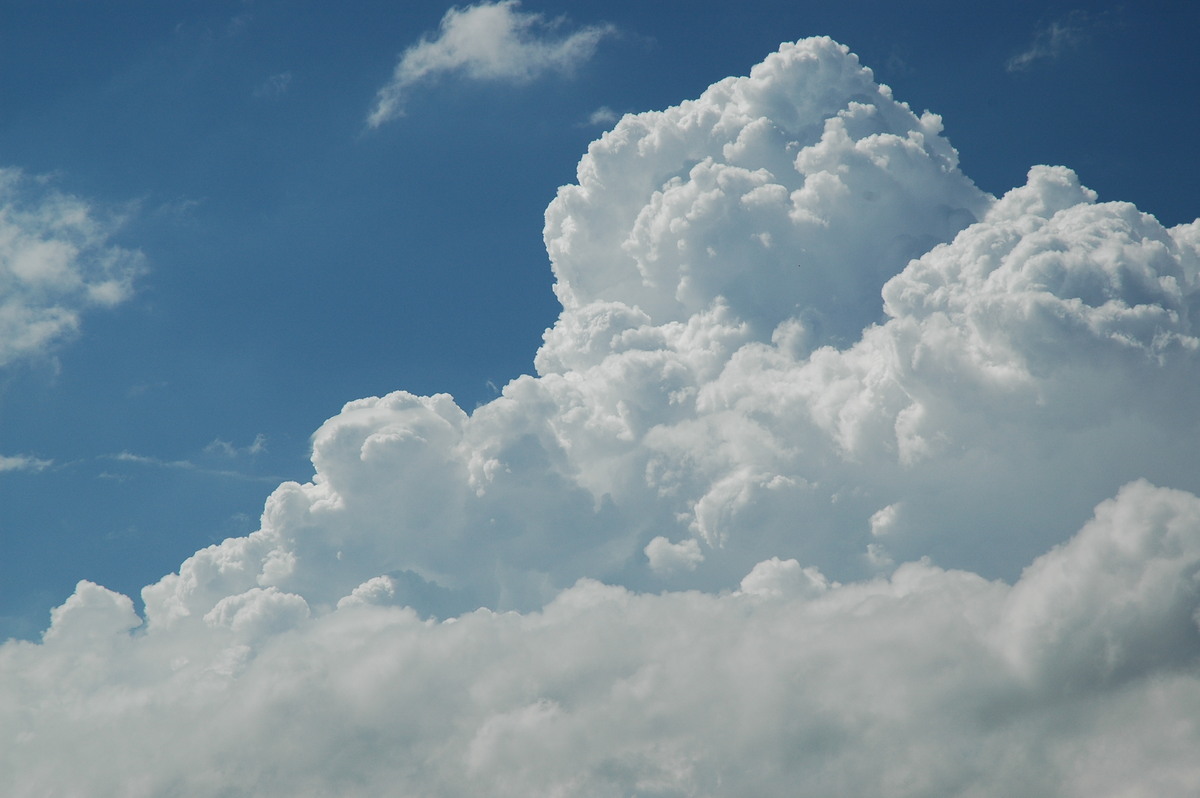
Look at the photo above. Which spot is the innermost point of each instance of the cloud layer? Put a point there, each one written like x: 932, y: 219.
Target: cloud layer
x: 797, y: 347
x: 1077, y: 680
x: 487, y: 41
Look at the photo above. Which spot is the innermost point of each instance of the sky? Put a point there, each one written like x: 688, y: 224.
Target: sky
x: 599, y: 399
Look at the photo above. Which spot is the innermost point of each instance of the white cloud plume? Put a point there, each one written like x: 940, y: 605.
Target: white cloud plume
x: 603, y: 116
x: 666, y: 557
x: 276, y: 85
x: 487, y: 41
x: 224, y: 448
x: 56, y: 261
x: 23, y: 462
x: 1051, y: 41
x: 792, y: 333
x: 217, y: 447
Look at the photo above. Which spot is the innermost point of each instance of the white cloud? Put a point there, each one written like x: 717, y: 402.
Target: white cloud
x: 667, y: 558
x: 226, y: 449
x: 258, y: 612
x: 792, y: 332
x: 92, y: 613
x: 930, y: 682
x: 603, y: 116
x: 487, y: 41
x: 1120, y: 599
x: 56, y: 261
x: 776, y: 578
x: 884, y: 521
x: 1051, y: 41
x: 276, y: 85
x: 23, y: 462
x: 217, y: 447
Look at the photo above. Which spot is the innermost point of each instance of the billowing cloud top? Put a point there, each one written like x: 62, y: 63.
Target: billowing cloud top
x: 487, y: 41
x: 797, y: 347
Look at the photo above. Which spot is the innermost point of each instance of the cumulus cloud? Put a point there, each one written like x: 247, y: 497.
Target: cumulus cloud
x: 56, y: 261
x: 487, y: 41
x: 666, y: 557
x: 797, y: 347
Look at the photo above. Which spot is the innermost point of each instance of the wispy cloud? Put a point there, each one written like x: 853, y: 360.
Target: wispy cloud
x: 23, y: 462
x: 488, y: 41
x: 227, y: 449
x: 274, y: 86
x: 143, y: 388
x: 56, y: 261
x: 188, y: 465
x: 603, y: 116
x: 1051, y: 41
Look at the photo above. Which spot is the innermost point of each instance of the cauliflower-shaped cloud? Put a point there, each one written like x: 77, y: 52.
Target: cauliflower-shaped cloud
x: 797, y: 347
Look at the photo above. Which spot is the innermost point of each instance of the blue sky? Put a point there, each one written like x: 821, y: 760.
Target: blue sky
x: 297, y: 258
x: 599, y: 399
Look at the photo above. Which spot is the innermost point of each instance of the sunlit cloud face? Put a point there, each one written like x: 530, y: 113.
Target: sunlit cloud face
x: 487, y: 42
x: 836, y: 474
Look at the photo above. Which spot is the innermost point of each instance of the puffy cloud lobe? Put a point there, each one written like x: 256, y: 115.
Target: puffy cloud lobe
x: 797, y: 346
x: 486, y: 41
x: 258, y: 612
x: 774, y: 578
x: 379, y: 590
x: 56, y: 261
x: 666, y: 557
x: 1121, y: 598
x: 795, y: 191
x: 92, y: 613
x: 1070, y: 268
x: 1051, y: 282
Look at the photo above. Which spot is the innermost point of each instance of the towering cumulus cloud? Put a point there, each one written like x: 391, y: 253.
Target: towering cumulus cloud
x: 838, y: 476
